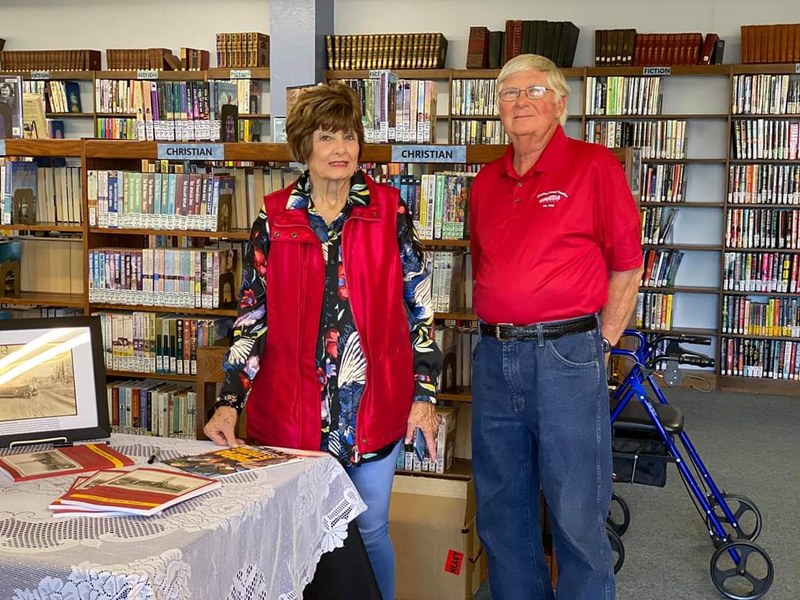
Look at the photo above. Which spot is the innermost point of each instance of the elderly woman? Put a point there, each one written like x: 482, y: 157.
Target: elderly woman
x: 335, y: 319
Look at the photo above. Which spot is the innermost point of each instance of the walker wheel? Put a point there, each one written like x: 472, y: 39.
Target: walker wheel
x: 747, y: 578
x: 746, y: 513
x: 617, y: 548
x: 619, y: 515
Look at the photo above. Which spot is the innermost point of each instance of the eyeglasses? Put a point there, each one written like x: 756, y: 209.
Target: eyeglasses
x: 534, y: 92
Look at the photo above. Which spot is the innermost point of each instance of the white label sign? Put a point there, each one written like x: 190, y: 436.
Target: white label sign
x: 436, y: 154
x: 2, y: 147
x: 240, y: 73
x: 40, y: 75
x: 656, y: 70
x: 191, y: 152
x: 147, y: 74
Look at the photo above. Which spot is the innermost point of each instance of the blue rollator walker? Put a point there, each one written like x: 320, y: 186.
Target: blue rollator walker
x: 740, y: 569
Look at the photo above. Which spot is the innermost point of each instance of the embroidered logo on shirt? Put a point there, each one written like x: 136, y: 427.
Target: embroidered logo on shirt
x: 551, y: 198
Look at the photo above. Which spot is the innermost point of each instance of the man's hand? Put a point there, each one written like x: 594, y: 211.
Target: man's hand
x: 423, y: 415
x: 221, y: 428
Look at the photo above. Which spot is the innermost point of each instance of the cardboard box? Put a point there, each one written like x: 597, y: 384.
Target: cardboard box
x: 432, y: 526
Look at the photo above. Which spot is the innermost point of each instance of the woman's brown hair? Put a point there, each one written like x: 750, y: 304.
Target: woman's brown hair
x: 333, y: 107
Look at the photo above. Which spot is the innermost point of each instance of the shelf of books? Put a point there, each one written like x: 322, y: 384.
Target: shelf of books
x: 684, y: 154
x: 760, y: 316
x: 41, y: 219
x: 145, y: 104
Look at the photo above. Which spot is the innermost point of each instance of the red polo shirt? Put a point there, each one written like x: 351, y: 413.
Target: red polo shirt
x: 543, y: 243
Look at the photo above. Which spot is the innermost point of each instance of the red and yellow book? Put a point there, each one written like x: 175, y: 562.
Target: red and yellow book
x: 62, y: 461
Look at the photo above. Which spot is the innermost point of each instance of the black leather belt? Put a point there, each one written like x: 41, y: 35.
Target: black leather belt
x: 550, y: 331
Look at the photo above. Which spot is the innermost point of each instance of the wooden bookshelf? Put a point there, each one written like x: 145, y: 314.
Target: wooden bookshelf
x: 211, y: 312
x: 43, y: 299
x: 460, y: 470
x: 142, y: 375
x: 49, y: 227
x: 238, y: 234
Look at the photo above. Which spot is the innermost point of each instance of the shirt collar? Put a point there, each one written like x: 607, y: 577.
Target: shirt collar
x: 552, y: 157
x: 300, y: 196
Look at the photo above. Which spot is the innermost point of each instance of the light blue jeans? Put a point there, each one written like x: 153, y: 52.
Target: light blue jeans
x: 373, y: 480
x: 540, y: 421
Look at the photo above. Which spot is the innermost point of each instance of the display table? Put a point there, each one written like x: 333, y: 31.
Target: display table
x: 259, y: 536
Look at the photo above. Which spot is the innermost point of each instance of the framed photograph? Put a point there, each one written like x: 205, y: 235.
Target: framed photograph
x: 11, y: 106
x: 52, y: 381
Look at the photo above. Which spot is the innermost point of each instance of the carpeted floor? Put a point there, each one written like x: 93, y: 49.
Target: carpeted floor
x: 751, y: 446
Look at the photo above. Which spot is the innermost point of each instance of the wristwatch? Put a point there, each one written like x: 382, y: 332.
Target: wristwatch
x: 606, y: 346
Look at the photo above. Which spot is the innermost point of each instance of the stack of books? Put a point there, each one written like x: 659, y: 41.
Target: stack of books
x: 143, y: 491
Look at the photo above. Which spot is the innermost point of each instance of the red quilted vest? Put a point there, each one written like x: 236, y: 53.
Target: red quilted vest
x: 283, y: 408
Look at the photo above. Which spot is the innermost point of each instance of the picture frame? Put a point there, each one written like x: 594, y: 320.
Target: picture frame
x: 52, y: 381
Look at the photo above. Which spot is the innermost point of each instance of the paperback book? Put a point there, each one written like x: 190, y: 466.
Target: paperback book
x: 227, y: 461
x: 62, y: 461
x: 142, y: 491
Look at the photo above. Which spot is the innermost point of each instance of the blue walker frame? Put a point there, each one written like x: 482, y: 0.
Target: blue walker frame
x: 634, y: 387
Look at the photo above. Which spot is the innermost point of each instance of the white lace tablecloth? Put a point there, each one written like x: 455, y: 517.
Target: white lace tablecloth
x: 260, y: 536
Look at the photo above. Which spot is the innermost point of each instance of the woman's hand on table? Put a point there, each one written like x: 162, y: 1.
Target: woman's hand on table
x: 221, y: 428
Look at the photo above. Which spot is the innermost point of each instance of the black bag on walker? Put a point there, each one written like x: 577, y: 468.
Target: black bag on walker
x: 639, y: 458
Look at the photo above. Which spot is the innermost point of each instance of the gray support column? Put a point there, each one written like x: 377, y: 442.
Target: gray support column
x: 297, y: 33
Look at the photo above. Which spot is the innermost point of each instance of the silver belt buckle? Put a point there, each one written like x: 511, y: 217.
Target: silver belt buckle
x: 497, y: 330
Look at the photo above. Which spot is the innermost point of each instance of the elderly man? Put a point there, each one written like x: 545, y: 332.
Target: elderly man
x: 557, y: 260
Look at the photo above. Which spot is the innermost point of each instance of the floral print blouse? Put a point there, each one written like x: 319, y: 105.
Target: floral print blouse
x: 340, y: 362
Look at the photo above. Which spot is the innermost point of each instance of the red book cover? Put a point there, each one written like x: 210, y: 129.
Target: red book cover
x: 62, y: 461
x: 142, y: 491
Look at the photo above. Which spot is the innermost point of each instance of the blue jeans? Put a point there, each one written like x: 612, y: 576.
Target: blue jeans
x: 541, y: 421
x: 373, y: 480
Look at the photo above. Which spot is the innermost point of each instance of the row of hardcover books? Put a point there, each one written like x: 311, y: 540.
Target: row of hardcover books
x: 161, y: 59
x: 767, y: 228
x: 148, y: 342
x: 437, y: 201
x: 243, y: 49
x: 765, y: 94
x: 473, y: 98
x: 764, y: 359
x: 761, y: 272
x: 663, y: 183
x: 623, y: 95
x: 657, y: 222
x: 761, y: 315
x: 764, y: 184
x: 657, y: 139
x: 766, y: 139
x: 33, y: 194
x: 557, y: 40
x: 396, y: 110
x: 160, y: 200
x: 479, y: 131
x: 771, y: 43
x: 153, y: 407
x: 177, y: 110
x: 386, y: 51
x: 53, y: 60
x: 618, y: 47
x: 660, y: 267
x: 654, y: 311
x: 168, y: 277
